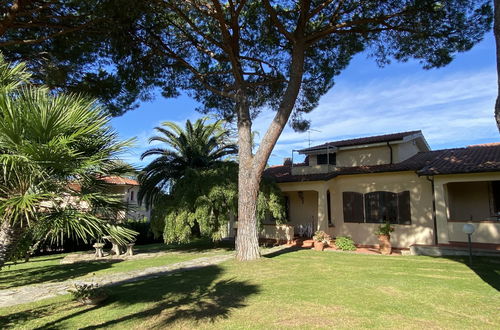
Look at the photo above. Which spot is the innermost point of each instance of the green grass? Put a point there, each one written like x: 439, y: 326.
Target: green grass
x: 45, y: 269
x: 303, y: 289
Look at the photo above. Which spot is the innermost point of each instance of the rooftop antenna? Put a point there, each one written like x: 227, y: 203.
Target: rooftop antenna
x: 309, y: 134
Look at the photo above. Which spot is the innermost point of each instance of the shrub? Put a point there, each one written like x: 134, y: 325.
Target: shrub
x: 384, y: 229
x: 89, y: 293
x: 143, y: 227
x: 345, y: 243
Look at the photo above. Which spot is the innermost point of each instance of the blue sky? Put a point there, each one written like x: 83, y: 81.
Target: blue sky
x: 453, y: 106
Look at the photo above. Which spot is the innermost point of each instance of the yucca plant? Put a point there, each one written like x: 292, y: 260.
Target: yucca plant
x: 54, y: 151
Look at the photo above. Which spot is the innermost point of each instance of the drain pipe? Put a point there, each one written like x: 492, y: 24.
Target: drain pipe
x: 390, y: 148
x: 431, y: 180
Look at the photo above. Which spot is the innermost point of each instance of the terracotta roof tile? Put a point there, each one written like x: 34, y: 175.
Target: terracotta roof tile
x: 446, y: 161
x: 473, y: 159
x: 364, y: 140
x: 120, y: 180
x: 485, y: 145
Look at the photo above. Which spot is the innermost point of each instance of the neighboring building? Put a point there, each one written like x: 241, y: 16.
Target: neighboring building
x: 347, y: 188
x: 125, y: 188
x: 128, y: 189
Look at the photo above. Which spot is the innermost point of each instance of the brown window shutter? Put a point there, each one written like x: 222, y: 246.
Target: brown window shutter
x: 352, y: 206
x: 404, y: 208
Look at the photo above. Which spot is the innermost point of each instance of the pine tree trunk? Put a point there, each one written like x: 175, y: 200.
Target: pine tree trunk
x: 496, y: 30
x: 247, y: 240
x: 252, y: 166
x: 9, y: 237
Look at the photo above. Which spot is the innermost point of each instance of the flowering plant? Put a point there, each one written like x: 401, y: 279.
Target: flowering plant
x: 321, y: 236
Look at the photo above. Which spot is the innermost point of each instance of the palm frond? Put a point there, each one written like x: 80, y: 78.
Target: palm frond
x: 48, y: 144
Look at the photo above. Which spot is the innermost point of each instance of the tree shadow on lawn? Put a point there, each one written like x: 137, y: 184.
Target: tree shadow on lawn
x: 290, y: 249
x: 16, y: 320
x: 42, y: 258
x: 487, y: 268
x: 197, y: 245
x: 52, y: 273
x: 196, y: 295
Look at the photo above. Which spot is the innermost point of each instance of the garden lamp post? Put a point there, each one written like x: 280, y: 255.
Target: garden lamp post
x: 469, y: 229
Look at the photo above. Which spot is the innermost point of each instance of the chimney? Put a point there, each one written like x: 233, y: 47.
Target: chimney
x: 287, y: 161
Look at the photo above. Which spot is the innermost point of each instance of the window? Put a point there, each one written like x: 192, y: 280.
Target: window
x: 495, y: 194
x: 381, y: 206
x: 329, y: 207
x: 132, y: 195
x: 377, y: 207
x: 322, y: 159
x: 353, y: 206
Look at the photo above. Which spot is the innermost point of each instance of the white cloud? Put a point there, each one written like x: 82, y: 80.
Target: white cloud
x: 451, y: 110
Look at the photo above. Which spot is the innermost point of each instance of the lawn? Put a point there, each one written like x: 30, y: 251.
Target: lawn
x: 45, y: 269
x: 301, y: 289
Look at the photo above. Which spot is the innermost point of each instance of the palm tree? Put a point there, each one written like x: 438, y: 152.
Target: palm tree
x: 193, y: 182
x: 54, y: 152
x: 197, y: 147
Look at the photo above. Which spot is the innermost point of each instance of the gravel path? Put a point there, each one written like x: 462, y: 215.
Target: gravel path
x: 31, y: 293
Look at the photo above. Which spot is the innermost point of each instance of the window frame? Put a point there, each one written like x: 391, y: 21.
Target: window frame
x: 328, y: 160
x: 378, y: 207
x: 329, y: 208
x: 495, y: 198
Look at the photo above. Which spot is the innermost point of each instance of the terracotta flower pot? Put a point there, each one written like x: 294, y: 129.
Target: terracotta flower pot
x: 319, y: 246
x: 385, y: 246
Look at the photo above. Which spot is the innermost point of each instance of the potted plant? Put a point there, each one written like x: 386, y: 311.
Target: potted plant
x: 320, y: 239
x: 384, y: 237
x: 89, y: 293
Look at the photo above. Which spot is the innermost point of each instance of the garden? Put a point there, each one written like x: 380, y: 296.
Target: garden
x: 68, y: 182
x: 299, y: 288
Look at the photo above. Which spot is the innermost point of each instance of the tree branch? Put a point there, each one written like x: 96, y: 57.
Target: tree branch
x: 337, y: 28
x: 192, y: 24
x: 231, y: 41
x: 319, y: 8
x: 290, y: 95
x: 198, y: 75
x: 11, y: 14
x: 46, y: 37
x: 276, y: 22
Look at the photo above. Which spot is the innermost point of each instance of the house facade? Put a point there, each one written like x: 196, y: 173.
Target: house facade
x: 349, y: 187
x: 128, y: 190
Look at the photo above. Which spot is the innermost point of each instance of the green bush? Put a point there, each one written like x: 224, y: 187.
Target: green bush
x: 84, y: 292
x: 345, y: 243
x: 143, y: 227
